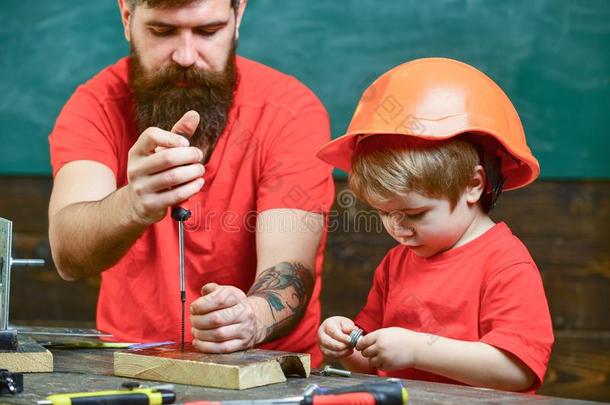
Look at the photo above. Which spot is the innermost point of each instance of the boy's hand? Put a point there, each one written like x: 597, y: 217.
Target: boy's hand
x: 333, y: 336
x: 390, y: 348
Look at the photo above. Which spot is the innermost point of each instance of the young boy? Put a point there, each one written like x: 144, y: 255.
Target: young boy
x: 431, y: 145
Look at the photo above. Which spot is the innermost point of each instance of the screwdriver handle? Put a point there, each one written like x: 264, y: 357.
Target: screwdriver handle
x: 355, y: 398
x: 383, y: 392
x: 180, y: 213
x: 393, y: 389
x: 144, y: 396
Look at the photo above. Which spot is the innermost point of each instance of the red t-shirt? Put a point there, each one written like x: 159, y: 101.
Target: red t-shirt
x: 488, y: 290
x: 265, y: 159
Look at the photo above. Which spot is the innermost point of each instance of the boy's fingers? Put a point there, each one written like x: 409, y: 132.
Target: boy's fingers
x: 337, y: 334
x: 331, y: 344
x: 347, y: 325
x: 370, y: 351
x: 344, y: 353
x: 336, y: 354
x: 376, y: 362
x: 366, y: 341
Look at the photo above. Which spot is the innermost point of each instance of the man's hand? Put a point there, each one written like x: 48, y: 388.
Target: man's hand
x: 390, y: 348
x: 223, y: 320
x: 333, y: 337
x: 92, y: 223
x: 163, y: 170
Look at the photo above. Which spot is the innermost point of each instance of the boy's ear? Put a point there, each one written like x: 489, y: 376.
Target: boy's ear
x: 477, y: 184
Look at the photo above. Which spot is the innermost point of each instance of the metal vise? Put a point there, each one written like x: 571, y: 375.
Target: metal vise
x: 8, y: 337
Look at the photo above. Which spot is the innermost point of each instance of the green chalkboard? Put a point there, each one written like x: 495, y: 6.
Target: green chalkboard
x: 551, y: 56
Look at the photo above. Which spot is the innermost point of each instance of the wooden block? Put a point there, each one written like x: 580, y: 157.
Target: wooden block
x: 30, y: 357
x: 240, y: 370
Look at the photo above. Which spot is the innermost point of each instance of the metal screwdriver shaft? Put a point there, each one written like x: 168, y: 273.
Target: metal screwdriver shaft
x: 181, y: 214
x: 182, y: 287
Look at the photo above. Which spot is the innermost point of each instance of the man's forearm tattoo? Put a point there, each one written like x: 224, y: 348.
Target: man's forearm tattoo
x: 287, y: 288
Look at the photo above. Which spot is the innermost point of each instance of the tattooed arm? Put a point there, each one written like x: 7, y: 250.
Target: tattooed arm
x: 225, y: 319
x: 285, y: 290
x: 286, y: 243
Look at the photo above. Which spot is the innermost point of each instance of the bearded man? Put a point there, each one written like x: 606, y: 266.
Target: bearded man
x: 248, y: 169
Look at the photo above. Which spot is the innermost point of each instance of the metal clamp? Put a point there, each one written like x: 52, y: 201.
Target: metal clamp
x: 6, y: 263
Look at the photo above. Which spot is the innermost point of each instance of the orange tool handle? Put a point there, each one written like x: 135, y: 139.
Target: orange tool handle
x: 355, y: 398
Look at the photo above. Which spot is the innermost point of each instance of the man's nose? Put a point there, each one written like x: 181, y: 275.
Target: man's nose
x: 185, y: 53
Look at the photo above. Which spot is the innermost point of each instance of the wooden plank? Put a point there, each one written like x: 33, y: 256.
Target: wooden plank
x: 241, y: 370
x: 29, y: 357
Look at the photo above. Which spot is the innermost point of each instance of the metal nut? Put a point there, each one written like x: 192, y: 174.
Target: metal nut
x: 355, y: 336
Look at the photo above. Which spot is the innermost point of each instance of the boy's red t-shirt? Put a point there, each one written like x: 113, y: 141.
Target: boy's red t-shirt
x: 488, y: 290
x: 265, y: 159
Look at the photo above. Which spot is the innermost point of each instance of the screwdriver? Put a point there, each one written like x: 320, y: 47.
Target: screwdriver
x: 138, y: 396
x: 181, y: 214
x: 390, y: 392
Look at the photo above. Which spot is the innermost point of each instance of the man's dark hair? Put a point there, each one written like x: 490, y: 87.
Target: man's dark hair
x: 169, y: 3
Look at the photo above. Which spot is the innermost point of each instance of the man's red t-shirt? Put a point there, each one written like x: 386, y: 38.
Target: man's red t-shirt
x: 488, y: 290
x: 265, y: 159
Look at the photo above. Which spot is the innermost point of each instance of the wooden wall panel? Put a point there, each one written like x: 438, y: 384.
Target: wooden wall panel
x: 566, y: 226
x: 579, y: 366
x: 38, y: 295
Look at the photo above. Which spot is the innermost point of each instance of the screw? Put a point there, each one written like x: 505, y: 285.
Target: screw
x: 328, y: 371
x: 310, y: 390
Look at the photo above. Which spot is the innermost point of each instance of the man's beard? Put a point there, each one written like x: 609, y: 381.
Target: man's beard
x: 162, y: 97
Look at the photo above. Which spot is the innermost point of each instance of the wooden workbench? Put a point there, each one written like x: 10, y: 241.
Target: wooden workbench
x: 91, y: 369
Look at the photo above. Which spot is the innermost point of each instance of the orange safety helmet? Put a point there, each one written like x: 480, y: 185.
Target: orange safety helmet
x: 436, y: 99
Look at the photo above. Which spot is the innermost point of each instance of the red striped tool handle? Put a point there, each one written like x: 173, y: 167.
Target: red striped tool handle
x: 354, y: 398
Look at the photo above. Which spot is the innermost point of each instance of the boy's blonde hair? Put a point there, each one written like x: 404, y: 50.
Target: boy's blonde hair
x: 390, y: 165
